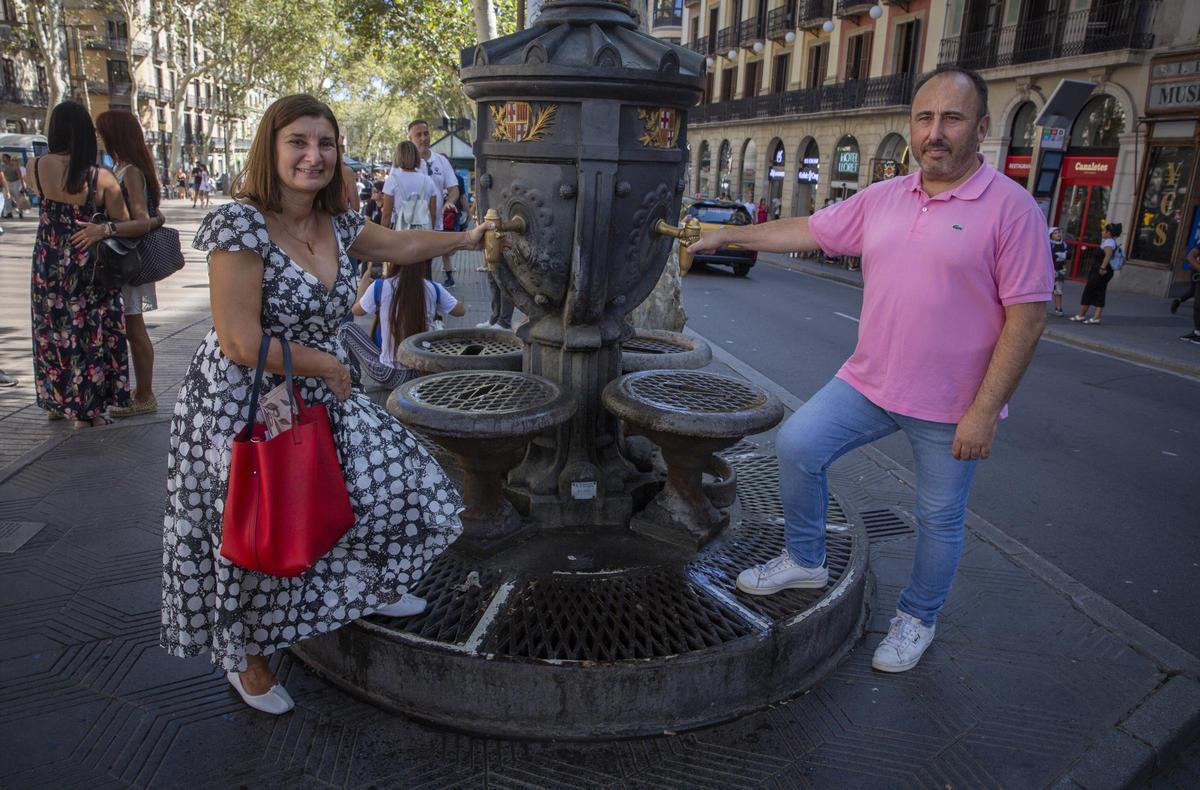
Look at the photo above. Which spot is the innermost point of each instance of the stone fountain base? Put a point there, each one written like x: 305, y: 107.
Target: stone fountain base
x: 571, y: 635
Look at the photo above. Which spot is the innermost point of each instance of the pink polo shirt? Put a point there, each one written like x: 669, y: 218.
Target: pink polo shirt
x: 938, y: 273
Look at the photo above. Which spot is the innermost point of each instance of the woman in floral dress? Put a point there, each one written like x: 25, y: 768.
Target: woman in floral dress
x: 80, y: 359
x: 279, y: 262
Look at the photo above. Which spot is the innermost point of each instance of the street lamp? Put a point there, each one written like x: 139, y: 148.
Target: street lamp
x: 827, y: 25
x: 876, y: 11
x: 789, y: 36
x: 757, y: 47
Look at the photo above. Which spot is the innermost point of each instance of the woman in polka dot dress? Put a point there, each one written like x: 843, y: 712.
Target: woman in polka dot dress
x: 279, y: 262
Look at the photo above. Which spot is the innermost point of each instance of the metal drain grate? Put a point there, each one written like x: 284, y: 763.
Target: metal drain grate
x: 613, y: 618
x: 15, y: 534
x: 483, y: 392
x: 743, y: 447
x: 456, y: 600
x: 686, y: 390
x: 758, y: 489
x: 882, y: 525
x: 646, y: 345
x: 482, y: 346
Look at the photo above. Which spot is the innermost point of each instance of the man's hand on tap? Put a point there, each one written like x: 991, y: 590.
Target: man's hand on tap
x: 710, y: 240
x: 473, y: 238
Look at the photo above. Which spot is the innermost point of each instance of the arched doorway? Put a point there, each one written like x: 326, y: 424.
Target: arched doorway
x: 704, y: 176
x: 891, y: 159
x: 724, y: 166
x: 776, y: 172
x: 749, y: 173
x: 1087, y: 179
x: 1020, y: 147
x: 804, y: 190
x: 844, y: 180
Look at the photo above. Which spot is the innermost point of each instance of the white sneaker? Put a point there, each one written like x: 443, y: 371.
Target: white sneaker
x: 407, y: 606
x: 905, y: 643
x: 275, y: 701
x: 486, y: 325
x: 781, y: 573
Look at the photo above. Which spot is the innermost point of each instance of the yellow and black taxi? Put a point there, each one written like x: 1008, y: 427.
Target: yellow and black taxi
x: 713, y: 214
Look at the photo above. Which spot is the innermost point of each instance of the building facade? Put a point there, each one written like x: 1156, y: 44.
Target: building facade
x: 110, y: 62
x: 807, y: 102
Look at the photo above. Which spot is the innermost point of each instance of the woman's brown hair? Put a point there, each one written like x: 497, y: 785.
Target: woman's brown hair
x: 259, y: 181
x: 125, y: 141
x: 407, y: 156
x: 407, y: 314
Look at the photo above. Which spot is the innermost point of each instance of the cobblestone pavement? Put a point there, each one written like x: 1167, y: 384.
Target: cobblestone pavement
x: 1032, y: 680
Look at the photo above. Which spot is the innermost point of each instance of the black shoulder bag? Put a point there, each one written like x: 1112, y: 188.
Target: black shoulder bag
x: 115, y: 262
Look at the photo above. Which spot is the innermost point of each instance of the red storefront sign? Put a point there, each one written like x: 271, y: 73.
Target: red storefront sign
x: 1017, y: 167
x: 1094, y: 170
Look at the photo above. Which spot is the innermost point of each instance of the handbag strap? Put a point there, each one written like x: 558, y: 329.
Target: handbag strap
x: 260, y: 371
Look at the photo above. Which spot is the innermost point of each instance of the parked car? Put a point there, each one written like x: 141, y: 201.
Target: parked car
x: 713, y: 214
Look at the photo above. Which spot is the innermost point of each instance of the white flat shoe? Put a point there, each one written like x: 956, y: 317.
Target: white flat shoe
x: 407, y: 606
x: 275, y: 701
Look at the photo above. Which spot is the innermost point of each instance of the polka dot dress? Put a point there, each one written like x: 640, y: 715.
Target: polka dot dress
x: 406, y: 511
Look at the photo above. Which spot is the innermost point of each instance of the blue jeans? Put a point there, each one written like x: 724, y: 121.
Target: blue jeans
x: 837, y: 420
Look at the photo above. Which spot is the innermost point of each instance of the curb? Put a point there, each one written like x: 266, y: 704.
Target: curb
x: 1182, y: 368
x: 1143, y: 743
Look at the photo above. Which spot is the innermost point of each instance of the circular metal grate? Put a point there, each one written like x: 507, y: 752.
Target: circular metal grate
x: 686, y: 390
x: 483, y: 392
x: 649, y: 345
x: 467, y: 346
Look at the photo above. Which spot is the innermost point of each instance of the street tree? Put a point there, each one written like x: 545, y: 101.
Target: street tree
x: 44, y: 21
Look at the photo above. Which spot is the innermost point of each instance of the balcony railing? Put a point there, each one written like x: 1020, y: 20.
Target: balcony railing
x: 24, y: 98
x: 1104, y: 29
x: 119, y: 44
x: 779, y: 23
x: 166, y: 95
x: 813, y: 13
x: 727, y: 38
x: 853, y: 7
x: 100, y: 88
x: 751, y: 30
x: 667, y: 19
x: 892, y: 90
x: 701, y: 46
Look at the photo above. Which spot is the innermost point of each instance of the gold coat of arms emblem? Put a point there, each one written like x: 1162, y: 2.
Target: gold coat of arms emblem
x: 662, y: 127
x: 520, y: 122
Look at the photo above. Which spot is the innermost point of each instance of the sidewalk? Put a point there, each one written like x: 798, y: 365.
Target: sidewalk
x: 1135, y: 327
x: 1033, y: 680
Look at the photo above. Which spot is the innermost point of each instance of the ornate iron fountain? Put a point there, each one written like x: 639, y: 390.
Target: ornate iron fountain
x: 592, y: 590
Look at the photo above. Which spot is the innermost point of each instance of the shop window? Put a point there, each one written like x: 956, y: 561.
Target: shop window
x: 808, y: 168
x: 749, y: 174
x: 1164, y: 197
x: 705, y: 175
x: 724, y: 166
x: 1099, y: 125
x: 891, y: 160
x: 1023, y: 129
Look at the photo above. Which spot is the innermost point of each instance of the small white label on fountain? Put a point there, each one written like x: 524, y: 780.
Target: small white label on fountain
x: 583, y: 490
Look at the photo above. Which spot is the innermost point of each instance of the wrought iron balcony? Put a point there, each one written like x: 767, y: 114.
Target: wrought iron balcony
x: 119, y: 44
x: 779, y: 23
x: 701, y: 46
x: 10, y: 94
x: 893, y: 90
x: 1103, y: 29
x: 667, y: 18
x: 751, y: 30
x: 812, y: 14
x: 99, y: 88
x: 166, y: 95
x: 727, y: 38
x: 853, y: 8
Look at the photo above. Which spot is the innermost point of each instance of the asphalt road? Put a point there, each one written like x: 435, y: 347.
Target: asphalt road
x: 1097, y: 468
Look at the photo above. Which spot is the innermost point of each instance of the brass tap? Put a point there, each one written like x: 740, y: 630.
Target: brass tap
x: 688, y: 235
x: 493, y: 240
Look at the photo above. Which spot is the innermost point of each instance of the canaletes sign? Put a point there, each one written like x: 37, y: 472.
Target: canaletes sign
x: 1174, y: 85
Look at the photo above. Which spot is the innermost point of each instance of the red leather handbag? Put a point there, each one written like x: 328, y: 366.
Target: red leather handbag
x: 287, y: 503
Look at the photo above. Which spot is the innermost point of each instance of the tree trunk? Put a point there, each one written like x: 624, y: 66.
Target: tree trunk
x: 485, y: 19
x: 45, y: 19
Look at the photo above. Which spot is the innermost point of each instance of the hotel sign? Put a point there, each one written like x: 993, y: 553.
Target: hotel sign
x: 1174, y: 85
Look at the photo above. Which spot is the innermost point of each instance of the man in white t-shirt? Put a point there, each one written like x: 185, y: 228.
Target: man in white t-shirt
x: 437, y: 167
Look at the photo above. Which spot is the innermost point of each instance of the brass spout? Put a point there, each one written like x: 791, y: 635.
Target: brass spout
x: 493, y: 240
x: 688, y: 235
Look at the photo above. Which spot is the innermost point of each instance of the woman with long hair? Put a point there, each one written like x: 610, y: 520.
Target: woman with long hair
x: 80, y: 361
x: 133, y: 167
x: 279, y: 263
x: 405, y: 303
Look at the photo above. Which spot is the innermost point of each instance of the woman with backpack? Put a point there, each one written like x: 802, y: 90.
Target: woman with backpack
x: 1113, y: 258
x: 404, y: 303
x: 409, y: 196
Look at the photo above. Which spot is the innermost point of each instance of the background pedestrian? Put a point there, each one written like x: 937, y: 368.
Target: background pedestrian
x: 1058, y: 251
x: 1096, y: 288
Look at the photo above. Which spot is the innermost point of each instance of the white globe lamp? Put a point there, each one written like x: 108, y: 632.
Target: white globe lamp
x: 758, y: 47
x: 876, y: 11
x: 789, y: 37
x: 827, y: 25
x: 731, y: 54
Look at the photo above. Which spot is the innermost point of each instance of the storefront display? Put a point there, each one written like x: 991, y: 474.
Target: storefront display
x: 1163, y: 204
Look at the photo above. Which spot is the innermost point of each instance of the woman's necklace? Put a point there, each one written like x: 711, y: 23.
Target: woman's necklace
x: 303, y: 241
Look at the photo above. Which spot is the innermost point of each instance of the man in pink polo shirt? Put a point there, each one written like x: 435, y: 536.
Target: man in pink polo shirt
x: 957, y: 274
